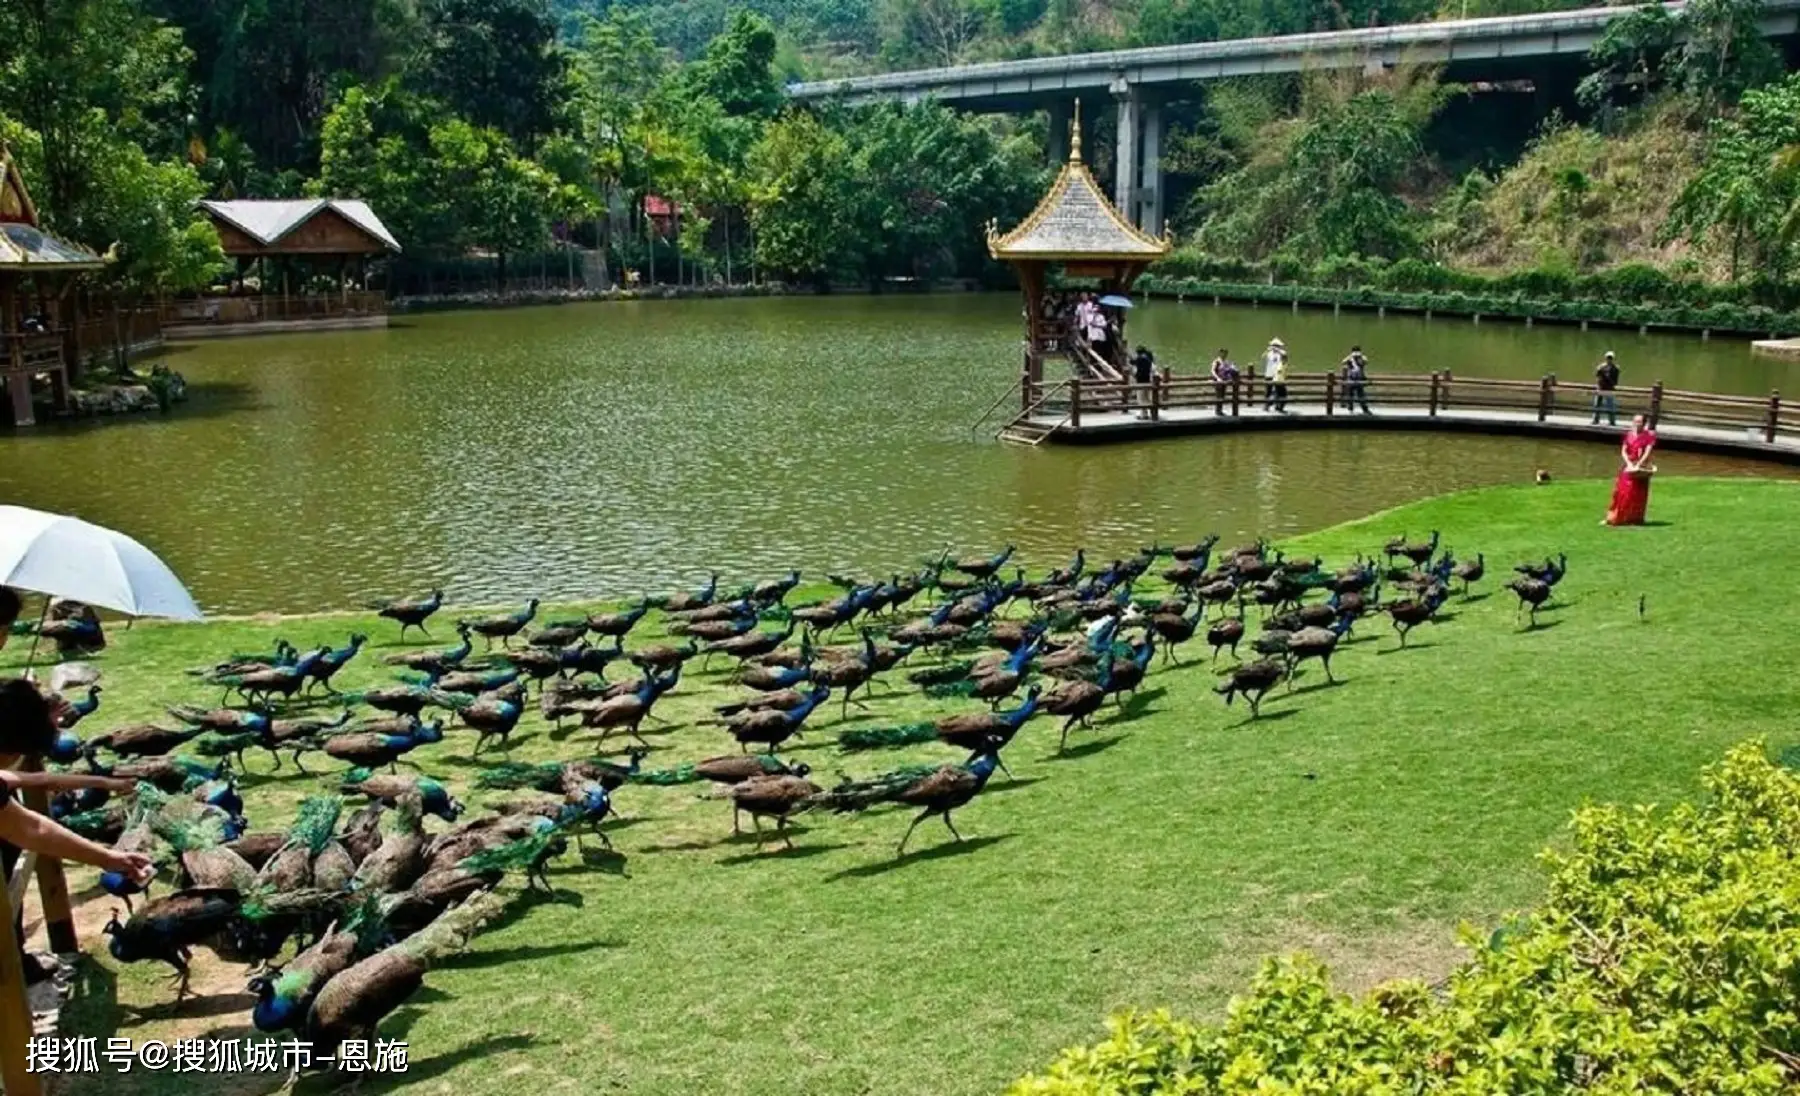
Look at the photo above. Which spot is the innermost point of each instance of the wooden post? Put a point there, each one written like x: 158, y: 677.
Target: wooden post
x: 1545, y: 396
x: 1027, y: 390
x: 1434, y: 394
x: 1330, y: 394
x: 1655, y: 404
x: 1075, y: 402
x: 1444, y: 396
x: 53, y: 888
x: 15, y: 1010
x: 1237, y: 388
x: 1157, y: 380
x: 1774, y: 417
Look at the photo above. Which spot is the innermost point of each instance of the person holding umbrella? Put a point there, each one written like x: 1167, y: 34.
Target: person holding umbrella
x: 64, y: 557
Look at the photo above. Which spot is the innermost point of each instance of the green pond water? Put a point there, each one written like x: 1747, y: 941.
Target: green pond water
x: 605, y: 449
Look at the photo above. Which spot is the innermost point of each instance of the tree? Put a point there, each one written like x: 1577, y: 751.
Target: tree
x: 802, y: 198
x: 737, y: 69
x: 501, y: 200
x: 494, y: 62
x: 1742, y: 195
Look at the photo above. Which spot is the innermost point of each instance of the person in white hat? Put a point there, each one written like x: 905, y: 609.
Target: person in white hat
x: 1274, y: 372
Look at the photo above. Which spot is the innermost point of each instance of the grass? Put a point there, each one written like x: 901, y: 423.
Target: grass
x: 1154, y: 864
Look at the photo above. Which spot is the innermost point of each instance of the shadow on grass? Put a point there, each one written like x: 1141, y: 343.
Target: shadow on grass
x: 531, y: 899
x: 1420, y: 646
x: 1471, y: 598
x: 1086, y: 749
x: 1542, y: 625
x: 773, y: 849
x: 1013, y: 785
x: 604, y: 860
x: 933, y: 852
x: 525, y: 953
x: 218, y: 1004
x: 1267, y: 717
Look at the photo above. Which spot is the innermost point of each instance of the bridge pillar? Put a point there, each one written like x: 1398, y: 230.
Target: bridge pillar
x: 1125, y: 162
x: 1150, y: 174
x: 1057, y: 147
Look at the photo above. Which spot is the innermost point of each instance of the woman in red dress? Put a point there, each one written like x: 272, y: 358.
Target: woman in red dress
x: 1631, y: 491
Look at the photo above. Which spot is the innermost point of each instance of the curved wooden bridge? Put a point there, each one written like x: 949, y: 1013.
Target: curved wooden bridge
x: 1087, y: 411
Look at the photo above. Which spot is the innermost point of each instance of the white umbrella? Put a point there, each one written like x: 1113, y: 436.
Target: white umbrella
x: 69, y: 558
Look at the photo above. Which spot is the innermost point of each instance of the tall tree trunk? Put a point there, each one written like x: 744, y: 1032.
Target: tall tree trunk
x: 725, y: 214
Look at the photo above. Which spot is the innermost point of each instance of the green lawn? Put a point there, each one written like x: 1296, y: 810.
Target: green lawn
x: 1151, y: 865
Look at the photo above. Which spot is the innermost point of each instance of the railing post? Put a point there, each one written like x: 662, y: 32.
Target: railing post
x: 15, y: 1012
x: 1544, y: 396
x: 1156, y: 394
x: 1444, y: 396
x: 1774, y: 417
x: 1655, y: 404
x: 1075, y: 402
x: 1433, y: 404
x: 1330, y: 394
x: 53, y: 888
x: 1237, y: 389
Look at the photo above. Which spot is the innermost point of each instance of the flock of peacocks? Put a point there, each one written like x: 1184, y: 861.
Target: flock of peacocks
x: 364, y: 890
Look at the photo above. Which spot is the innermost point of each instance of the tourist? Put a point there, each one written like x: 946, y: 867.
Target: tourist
x: 27, y: 728
x: 1631, y: 491
x: 1606, y: 383
x: 1356, y: 380
x: 1143, y: 370
x: 1274, y: 364
x: 1224, y: 372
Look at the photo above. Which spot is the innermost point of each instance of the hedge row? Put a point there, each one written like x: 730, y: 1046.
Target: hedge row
x: 1666, y: 959
x: 1755, y: 320
x: 1632, y: 283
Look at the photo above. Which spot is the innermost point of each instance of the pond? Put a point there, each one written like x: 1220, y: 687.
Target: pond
x: 612, y: 448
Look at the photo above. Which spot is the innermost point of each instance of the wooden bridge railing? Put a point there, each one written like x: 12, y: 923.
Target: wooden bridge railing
x: 1763, y: 418
x: 257, y: 309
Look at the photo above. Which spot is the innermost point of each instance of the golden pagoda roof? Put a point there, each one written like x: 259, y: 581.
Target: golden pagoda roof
x: 1075, y: 221
x: 24, y: 246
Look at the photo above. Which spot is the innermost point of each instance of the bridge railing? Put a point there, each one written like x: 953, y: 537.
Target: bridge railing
x: 1763, y: 418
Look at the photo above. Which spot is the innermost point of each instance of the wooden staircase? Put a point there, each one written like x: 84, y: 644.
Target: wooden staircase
x: 1028, y: 427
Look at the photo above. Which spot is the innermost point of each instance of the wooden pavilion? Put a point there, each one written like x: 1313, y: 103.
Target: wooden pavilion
x: 292, y: 244
x: 1076, y: 228
x: 36, y: 271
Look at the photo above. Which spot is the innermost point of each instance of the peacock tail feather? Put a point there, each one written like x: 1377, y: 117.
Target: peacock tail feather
x: 680, y: 774
x: 316, y: 822
x: 942, y: 675
x: 950, y: 689
x: 90, y: 823
x: 876, y: 738
x: 518, y: 774
x: 857, y: 795
x: 214, y: 744
x: 453, y: 929
x: 520, y: 855
x: 367, y: 922
x: 263, y: 903
x: 354, y: 777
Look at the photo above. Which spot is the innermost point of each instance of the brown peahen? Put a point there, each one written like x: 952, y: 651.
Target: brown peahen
x: 1225, y: 634
x: 504, y: 626
x: 439, y: 661
x: 941, y: 791
x: 1253, y: 680
x: 1532, y: 593
x: 410, y: 612
x: 1077, y: 701
x: 777, y: 797
x: 398, y: 859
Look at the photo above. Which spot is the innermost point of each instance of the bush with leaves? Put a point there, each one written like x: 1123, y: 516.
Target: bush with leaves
x: 1665, y: 959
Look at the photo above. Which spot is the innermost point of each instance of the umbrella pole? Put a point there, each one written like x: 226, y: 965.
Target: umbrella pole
x: 37, y: 637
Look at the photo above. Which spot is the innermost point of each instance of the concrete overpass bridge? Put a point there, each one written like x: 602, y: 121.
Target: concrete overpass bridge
x: 1140, y: 80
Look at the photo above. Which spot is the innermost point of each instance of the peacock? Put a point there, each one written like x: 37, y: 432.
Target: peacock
x: 372, y: 748
x: 491, y: 714
x: 629, y: 711
x: 167, y: 928
x: 1470, y: 571
x: 333, y: 660
x: 311, y: 855
x: 699, y: 599
x: 386, y: 788
x: 1412, y: 612
x: 983, y: 567
x: 778, y: 797
x: 558, y: 634
x: 410, y: 612
x: 283, y: 998
x: 503, y: 626
x: 471, y: 682
x: 1315, y: 642
x: 1129, y: 671
x: 725, y: 771
x: 440, y: 661
x: 1253, y: 680
x: 141, y: 740
x: 353, y: 1002
x: 168, y: 772
x: 775, y: 590
x: 1078, y: 700
x: 284, y: 681
x: 284, y: 654
x: 662, y: 657
x: 77, y: 710
x: 1532, y: 593
x: 225, y: 720
x: 617, y: 625
x: 941, y: 791
x: 558, y: 777
x: 771, y: 728
x: 398, y: 860
x: 1549, y: 572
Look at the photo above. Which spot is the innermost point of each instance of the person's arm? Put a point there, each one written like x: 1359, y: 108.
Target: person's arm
x: 67, y: 782
x: 30, y: 830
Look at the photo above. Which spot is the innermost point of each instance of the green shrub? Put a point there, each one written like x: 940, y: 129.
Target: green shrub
x: 1665, y: 959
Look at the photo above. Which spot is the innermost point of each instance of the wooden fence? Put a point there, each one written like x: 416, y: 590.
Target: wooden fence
x: 1431, y: 395
x: 263, y: 309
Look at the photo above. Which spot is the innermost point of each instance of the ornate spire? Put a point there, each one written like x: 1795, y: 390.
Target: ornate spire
x: 1075, y: 135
